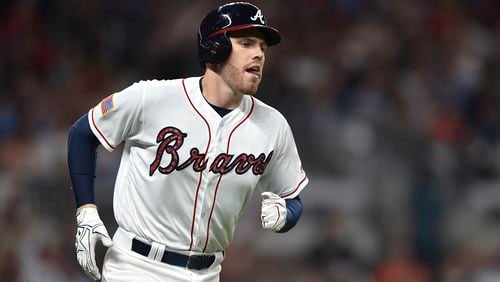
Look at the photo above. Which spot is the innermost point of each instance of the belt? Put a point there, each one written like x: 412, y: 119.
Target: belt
x: 192, y: 262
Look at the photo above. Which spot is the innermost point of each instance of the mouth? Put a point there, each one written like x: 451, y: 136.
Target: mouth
x: 254, y: 70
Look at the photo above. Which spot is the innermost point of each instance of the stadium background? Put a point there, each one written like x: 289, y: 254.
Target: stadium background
x: 395, y: 107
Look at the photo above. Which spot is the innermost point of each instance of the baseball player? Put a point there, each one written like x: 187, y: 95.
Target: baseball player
x: 195, y: 150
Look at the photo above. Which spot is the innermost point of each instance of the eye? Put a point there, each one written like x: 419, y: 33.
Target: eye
x: 245, y: 43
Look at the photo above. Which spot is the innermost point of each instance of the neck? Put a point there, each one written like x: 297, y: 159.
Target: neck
x: 217, y: 92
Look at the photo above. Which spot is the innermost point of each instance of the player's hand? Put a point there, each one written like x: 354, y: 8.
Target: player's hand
x: 273, y: 211
x: 90, y: 229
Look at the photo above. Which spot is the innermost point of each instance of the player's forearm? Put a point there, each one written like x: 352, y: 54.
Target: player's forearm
x: 294, y: 211
x: 82, y: 155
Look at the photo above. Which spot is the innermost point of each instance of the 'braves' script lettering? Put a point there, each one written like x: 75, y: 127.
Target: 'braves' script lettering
x: 170, y: 140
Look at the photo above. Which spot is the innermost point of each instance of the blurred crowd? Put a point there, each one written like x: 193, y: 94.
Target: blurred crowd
x: 395, y: 108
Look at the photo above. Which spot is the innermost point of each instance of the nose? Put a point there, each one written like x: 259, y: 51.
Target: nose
x: 259, y: 54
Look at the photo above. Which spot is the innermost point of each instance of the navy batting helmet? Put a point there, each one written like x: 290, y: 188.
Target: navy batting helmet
x: 214, y: 45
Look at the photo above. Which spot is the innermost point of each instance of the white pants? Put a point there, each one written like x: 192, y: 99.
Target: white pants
x: 123, y: 264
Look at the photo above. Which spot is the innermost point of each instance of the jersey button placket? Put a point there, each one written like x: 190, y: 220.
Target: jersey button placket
x: 205, y: 195
x: 199, y: 209
x: 210, y: 179
x: 205, y: 208
x: 220, y: 129
x: 216, y: 149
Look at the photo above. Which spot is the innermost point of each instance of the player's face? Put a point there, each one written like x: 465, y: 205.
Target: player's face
x: 243, y: 69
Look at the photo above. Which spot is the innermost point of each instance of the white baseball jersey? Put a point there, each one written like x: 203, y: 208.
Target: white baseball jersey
x: 186, y: 173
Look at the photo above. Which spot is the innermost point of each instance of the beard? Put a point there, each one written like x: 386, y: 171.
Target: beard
x: 236, y: 79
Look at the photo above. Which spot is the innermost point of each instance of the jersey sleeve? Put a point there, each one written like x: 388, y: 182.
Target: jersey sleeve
x: 284, y: 175
x: 118, y: 117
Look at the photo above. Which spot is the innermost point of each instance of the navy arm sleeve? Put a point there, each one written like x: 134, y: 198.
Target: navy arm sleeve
x: 82, y: 157
x: 293, y: 213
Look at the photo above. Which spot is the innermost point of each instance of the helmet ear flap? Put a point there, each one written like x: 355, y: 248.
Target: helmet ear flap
x: 216, y: 49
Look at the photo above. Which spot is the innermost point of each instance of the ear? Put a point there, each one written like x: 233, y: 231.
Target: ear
x: 216, y: 49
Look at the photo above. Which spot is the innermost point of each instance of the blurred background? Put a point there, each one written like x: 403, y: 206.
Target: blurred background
x: 395, y: 108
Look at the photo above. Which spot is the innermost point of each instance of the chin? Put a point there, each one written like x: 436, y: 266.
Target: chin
x: 250, y: 93
x: 250, y: 90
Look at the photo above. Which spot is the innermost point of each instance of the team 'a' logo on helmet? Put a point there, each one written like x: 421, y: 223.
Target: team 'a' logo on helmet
x: 259, y: 16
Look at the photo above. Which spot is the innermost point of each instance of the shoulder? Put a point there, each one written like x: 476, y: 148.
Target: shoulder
x: 267, y: 114
x: 165, y: 86
x: 162, y: 83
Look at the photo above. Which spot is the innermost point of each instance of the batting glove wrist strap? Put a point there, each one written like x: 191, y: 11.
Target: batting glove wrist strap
x: 273, y: 211
x: 89, y: 230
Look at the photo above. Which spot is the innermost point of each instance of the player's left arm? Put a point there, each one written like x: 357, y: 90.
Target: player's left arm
x: 281, y: 184
x: 293, y: 213
x: 278, y: 214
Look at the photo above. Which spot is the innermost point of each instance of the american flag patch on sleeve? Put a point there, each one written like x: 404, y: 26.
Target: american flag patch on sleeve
x: 107, y: 105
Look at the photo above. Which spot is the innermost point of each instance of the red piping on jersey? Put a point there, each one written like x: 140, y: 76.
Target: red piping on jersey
x: 100, y: 133
x: 201, y: 172
x: 290, y: 193
x: 241, y: 122
x: 220, y: 176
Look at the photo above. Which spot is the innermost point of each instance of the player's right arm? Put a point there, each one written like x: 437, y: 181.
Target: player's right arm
x: 82, y: 155
x: 114, y: 119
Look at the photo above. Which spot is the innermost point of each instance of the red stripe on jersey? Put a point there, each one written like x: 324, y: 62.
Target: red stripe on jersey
x: 241, y: 122
x: 290, y: 193
x: 211, y: 211
x: 220, y: 177
x: 201, y: 172
x: 100, y: 133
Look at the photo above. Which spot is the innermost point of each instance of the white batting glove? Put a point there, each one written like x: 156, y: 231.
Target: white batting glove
x: 273, y: 211
x: 90, y: 229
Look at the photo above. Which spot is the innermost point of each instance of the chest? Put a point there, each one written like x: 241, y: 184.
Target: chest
x: 233, y: 145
